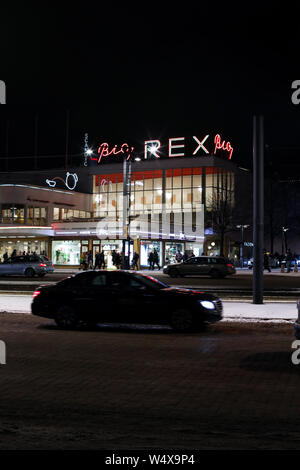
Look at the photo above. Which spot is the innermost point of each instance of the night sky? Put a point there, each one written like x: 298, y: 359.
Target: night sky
x: 131, y: 74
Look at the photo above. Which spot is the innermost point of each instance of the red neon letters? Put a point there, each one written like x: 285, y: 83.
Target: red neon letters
x: 104, y: 151
x: 176, y: 148
x: 222, y: 145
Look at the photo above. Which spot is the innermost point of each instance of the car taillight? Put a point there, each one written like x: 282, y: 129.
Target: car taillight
x: 43, y: 265
x: 230, y: 265
x: 36, y: 293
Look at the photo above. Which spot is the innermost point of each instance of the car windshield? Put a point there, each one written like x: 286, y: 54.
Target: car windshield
x: 150, y: 281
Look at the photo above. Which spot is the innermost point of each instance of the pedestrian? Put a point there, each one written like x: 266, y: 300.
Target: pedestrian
x: 90, y: 260
x: 114, y: 257
x: 155, y: 260
x: 178, y: 257
x: 86, y: 261
x: 135, y: 260
x: 118, y: 261
x: 289, y: 259
x: 14, y: 253
x: 5, y: 257
x: 101, y: 260
x: 266, y: 262
x: 97, y: 260
x: 151, y: 260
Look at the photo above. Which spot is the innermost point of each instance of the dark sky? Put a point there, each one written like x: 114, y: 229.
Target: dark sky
x: 130, y: 74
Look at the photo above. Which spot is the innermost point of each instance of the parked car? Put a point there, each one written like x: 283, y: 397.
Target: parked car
x: 27, y: 265
x: 214, y: 266
x: 124, y: 297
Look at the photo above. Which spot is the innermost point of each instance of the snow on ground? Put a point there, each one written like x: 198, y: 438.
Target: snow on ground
x: 233, y: 311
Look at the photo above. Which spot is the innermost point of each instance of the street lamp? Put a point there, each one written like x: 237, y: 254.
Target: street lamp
x: 242, y: 227
x: 284, y: 242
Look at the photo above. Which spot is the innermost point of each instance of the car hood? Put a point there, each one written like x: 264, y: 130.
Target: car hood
x: 190, y: 292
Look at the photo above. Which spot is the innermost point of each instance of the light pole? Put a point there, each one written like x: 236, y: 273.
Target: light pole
x: 283, y: 242
x: 242, y: 227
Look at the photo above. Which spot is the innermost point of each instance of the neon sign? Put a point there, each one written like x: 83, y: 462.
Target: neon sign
x: 105, y: 151
x: 70, y: 181
x: 176, y: 148
x: 222, y: 145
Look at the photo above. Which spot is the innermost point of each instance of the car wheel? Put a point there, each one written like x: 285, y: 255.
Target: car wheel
x: 182, y: 320
x: 173, y: 273
x: 66, y: 317
x: 29, y: 272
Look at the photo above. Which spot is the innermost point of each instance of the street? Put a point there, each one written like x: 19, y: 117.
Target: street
x: 115, y: 387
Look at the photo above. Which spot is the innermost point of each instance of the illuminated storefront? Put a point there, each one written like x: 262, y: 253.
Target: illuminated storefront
x: 170, y: 204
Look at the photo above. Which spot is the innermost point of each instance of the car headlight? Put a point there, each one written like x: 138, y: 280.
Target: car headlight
x: 207, y: 304
x: 165, y: 266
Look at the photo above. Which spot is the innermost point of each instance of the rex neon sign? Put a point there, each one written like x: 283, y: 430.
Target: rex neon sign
x: 176, y: 148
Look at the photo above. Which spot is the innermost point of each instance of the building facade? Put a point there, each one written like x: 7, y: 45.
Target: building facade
x: 169, y: 205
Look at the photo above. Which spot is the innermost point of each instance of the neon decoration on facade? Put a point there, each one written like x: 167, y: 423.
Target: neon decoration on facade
x: 70, y: 181
x: 222, y: 145
x: 105, y: 151
x: 176, y: 148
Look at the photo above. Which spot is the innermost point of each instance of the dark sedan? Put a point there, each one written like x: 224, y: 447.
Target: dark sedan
x: 124, y: 297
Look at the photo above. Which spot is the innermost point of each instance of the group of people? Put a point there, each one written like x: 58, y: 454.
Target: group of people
x: 288, y: 260
x: 153, y: 259
x: 100, y: 263
x: 20, y: 253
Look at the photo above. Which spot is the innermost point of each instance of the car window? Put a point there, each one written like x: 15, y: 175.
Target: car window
x: 191, y: 261
x: 99, y: 280
x: 202, y: 260
x: 118, y: 280
x: 216, y: 260
x: 81, y: 279
x: 150, y: 281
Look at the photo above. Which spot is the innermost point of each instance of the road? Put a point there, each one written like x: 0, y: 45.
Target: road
x: 231, y: 387
x: 276, y: 284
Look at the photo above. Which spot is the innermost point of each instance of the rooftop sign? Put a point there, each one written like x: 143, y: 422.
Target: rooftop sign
x: 176, y: 147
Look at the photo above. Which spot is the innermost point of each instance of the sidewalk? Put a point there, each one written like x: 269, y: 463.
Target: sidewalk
x: 233, y: 311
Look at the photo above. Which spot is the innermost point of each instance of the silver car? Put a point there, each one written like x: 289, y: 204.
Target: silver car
x: 26, y: 265
x: 214, y: 266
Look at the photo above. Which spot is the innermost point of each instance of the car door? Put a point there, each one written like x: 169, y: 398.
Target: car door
x: 188, y: 266
x: 101, y: 298
x: 6, y: 267
x: 125, y: 300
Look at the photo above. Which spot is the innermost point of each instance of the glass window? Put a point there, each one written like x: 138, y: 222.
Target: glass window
x: 66, y: 252
x: 100, y: 280
x: 56, y: 213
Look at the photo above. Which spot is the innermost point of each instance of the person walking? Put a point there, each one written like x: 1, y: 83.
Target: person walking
x: 97, y: 261
x: 101, y: 260
x: 118, y: 260
x: 289, y: 259
x: 135, y: 260
x: 178, y: 257
x: 5, y: 257
x: 156, y: 260
x: 151, y: 260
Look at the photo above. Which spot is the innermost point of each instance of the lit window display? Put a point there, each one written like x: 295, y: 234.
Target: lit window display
x: 172, y: 252
x: 146, y: 248
x: 66, y: 252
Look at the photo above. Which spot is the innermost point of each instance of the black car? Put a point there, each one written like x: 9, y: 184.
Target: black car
x: 124, y: 297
